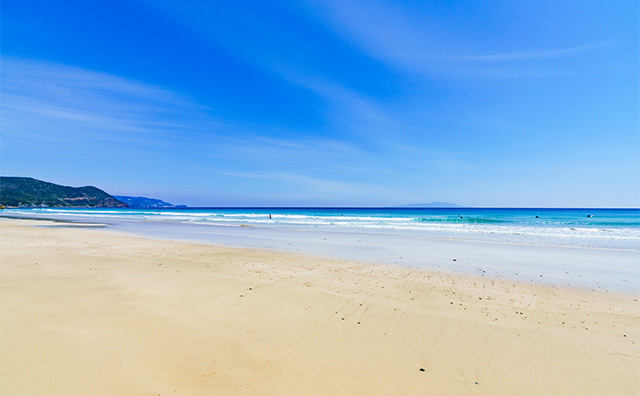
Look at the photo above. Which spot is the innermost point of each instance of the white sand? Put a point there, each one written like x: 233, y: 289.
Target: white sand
x: 92, y: 312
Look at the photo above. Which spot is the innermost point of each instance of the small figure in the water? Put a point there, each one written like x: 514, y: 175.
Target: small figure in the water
x: 269, y: 215
x: 589, y: 215
x: 537, y: 217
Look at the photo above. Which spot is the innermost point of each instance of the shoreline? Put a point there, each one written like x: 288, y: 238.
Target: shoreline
x: 556, y: 265
x: 265, y: 228
x: 107, y: 313
x: 612, y: 229
x: 564, y: 266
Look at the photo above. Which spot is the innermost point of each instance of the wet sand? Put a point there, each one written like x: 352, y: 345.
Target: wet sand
x: 94, y: 312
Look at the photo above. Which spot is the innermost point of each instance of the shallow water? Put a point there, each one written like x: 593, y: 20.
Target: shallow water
x: 560, y: 247
x: 601, y: 228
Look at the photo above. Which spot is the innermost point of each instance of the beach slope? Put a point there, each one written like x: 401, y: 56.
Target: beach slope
x: 92, y: 312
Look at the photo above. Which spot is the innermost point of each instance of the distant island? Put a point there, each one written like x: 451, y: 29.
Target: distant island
x: 25, y: 192
x: 145, y: 203
x: 431, y: 205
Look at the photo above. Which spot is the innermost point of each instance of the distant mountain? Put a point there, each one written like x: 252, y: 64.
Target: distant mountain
x: 431, y: 205
x: 145, y: 203
x: 29, y: 192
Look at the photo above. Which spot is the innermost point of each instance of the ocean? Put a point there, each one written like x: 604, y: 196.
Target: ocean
x: 596, y: 228
x: 593, y: 248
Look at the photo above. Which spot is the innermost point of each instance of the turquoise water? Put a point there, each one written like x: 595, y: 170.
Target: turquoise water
x: 599, y: 228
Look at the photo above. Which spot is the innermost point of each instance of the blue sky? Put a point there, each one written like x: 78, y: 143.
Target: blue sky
x: 326, y: 103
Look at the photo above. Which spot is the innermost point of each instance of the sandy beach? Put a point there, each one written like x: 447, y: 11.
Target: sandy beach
x: 93, y: 312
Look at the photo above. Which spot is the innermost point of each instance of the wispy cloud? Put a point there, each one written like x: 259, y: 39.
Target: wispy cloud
x: 527, y: 55
x: 57, y: 103
x: 350, y: 111
x: 322, y: 189
x: 57, y: 107
x: 422, y: 45
x: 60, y: 103
x: 279, y: 51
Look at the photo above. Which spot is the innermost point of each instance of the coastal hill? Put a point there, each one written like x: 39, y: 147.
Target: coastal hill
x: 29, y: 192
x: 145, y: 203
